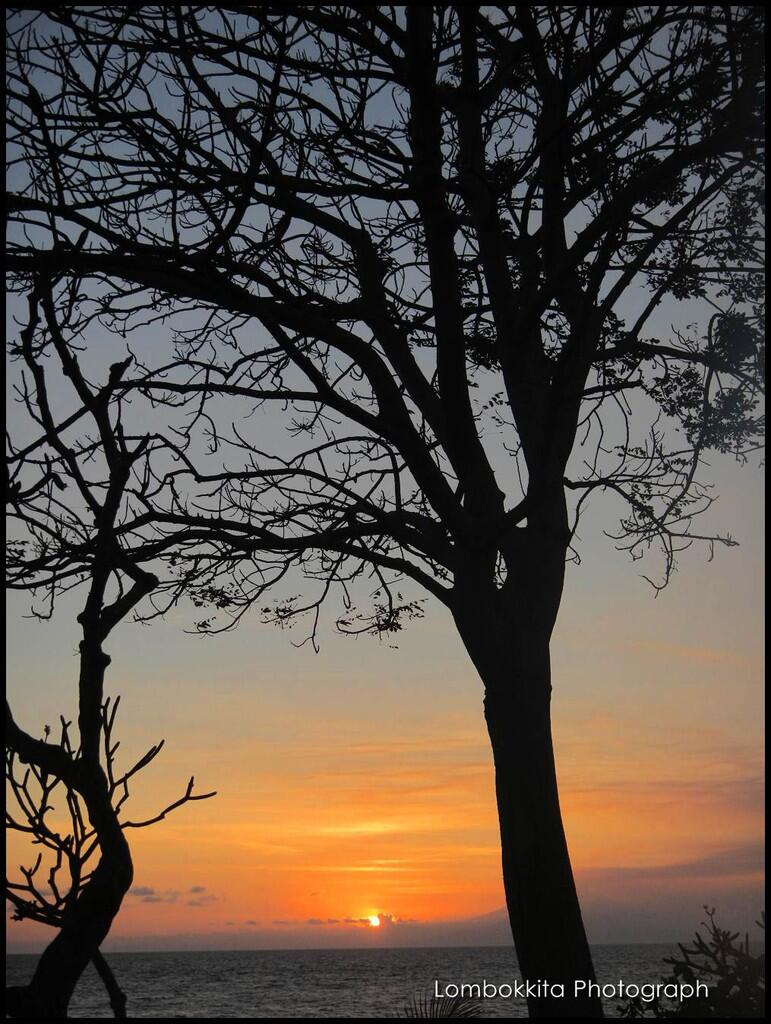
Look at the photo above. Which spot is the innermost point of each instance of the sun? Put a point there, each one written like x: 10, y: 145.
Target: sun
x: 374, y: 921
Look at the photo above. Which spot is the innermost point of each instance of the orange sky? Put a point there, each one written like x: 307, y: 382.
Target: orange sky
x: 358, y: 782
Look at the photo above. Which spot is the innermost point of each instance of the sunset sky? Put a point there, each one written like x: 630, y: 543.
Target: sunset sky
x: 355, y: 799
x: 357, y: 783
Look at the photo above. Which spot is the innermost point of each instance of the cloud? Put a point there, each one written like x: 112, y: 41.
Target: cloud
x: 146, y: 894
x: 202, y: 901
x: 361, y: 828
x: 736, y: 861
x: 199, y: 895
x: 201, y: 898
x: 358, y: 922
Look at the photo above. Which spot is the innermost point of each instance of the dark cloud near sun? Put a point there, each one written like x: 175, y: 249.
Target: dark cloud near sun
x: 317, y: 922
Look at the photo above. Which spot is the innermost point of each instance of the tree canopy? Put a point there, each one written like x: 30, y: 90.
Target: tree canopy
x: 414, y: 233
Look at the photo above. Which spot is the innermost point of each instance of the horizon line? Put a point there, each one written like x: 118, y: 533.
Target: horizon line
x: 337, y: 949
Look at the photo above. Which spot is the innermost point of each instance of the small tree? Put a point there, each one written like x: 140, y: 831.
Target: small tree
x: 48, y: 896
x: 80, y: 877
x: 413, y: 232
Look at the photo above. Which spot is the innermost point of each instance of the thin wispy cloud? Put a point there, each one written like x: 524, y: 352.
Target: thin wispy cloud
x: 745, y: 860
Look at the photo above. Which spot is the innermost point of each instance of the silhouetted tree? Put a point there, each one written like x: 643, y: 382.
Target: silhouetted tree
x: 437, y: 241
x: 59, y: 541
x: 49, y: 888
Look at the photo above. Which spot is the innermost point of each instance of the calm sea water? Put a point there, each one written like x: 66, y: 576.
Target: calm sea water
x: 317, y: 983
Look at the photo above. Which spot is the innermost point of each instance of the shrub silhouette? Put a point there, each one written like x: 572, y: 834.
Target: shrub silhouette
x: 736, y: 977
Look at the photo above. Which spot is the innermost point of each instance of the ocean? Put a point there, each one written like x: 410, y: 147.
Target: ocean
x: 320, y: 983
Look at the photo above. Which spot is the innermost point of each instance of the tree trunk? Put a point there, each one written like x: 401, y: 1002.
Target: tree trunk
x: 541, y: 898
x: 506, y: 630
x: 114, y: 991
x: 86, y: 926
